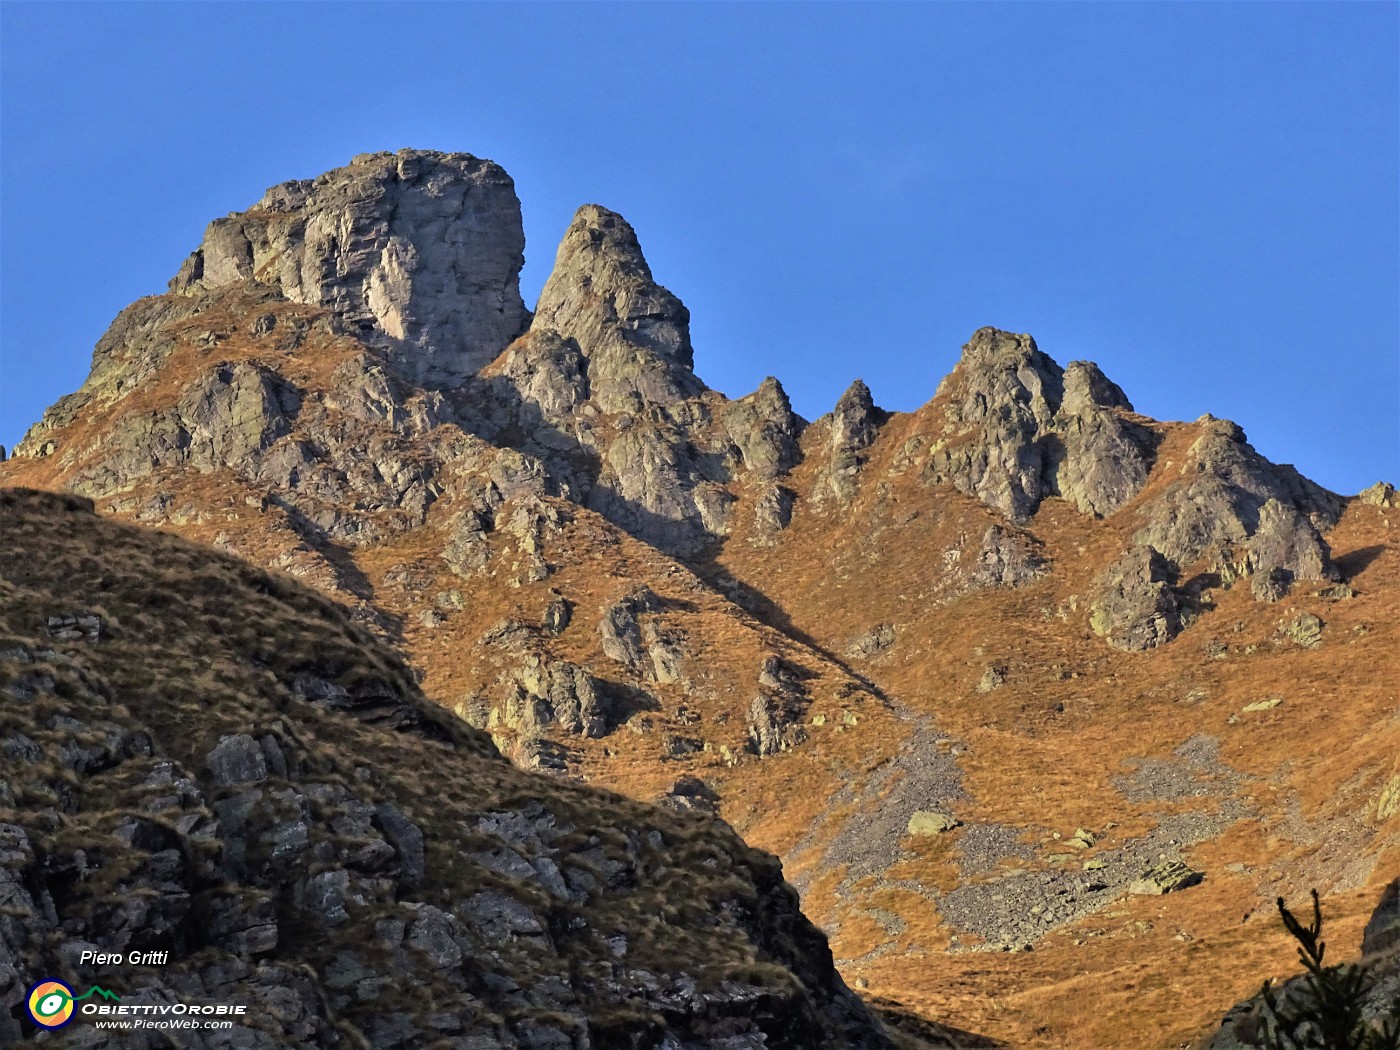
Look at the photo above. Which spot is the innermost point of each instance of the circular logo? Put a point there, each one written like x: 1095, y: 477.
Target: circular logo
x: 51, y: 1004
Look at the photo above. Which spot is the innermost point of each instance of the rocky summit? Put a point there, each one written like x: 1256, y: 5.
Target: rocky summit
x: 1040, y: 701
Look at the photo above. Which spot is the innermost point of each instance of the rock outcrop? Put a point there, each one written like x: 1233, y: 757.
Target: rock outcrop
x: 1135, y: 606
x: 416, y: 252
x: 1019, y: 428
x: 601, y: 296
x: 776, y: 712
x: 555, y: 692
x: 601, y: 389
x: 1236, y: 508
x: 1102, y: 458
x: 849, y: 429
x: 1007, y: 558
x: 1381, y: 494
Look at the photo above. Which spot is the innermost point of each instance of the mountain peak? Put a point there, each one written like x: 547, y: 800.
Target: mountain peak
x: 1086, y: 386
x: 416, y: 252
x: 989, y: 342
x: 602, y: 288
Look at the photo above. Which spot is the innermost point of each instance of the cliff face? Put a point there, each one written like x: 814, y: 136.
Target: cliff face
x: 207, y: 761
x: 1025, y: 608
x: 417, y: 253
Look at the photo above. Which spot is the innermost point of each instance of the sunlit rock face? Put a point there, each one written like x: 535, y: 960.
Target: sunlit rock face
x: 417, y: 252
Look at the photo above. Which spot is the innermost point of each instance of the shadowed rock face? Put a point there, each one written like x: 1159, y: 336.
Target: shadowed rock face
x: 414, y: 251
x: 1383, y: 931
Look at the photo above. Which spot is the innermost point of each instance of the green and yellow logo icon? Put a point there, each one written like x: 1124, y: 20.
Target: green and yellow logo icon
x: 51, y: 1002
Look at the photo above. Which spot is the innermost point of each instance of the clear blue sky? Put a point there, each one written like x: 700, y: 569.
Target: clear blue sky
x: 1200, y: 197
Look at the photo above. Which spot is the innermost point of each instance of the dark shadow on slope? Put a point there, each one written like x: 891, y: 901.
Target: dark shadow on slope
x: 495, y: 410
x: 624, y: 700
x: 1353, y: 562
x: 770, y: 613
x: 348, y: 574
x: 912, y: 1032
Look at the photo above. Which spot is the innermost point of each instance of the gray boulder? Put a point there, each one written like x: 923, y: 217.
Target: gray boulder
x: 1135, y: 605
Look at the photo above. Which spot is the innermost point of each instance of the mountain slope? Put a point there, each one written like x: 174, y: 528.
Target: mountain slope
x: 210, y: 761
x: 1022, y: 610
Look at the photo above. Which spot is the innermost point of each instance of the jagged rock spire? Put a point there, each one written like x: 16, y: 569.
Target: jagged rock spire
x: 851, y: 428
x: 418, y: 252
x: 633, y: 334
x: 1029, y: 429
x: 602, y: 288
x: 855, y: 419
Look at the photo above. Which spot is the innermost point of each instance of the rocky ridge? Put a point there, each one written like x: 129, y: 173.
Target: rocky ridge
x: 413, y: 260
x: 624, y: 576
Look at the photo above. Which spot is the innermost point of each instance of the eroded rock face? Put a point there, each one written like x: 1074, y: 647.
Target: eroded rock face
x: 1223, y: 499
x: 416, y: 252
x: 601, y: 390
x: 1135, y: 605
x: 601, y: 289
x: 1002, y: 395
x: 601, y: 295
x: 765, y: 430
x: 650, y: 482
x: 1102, y: 459
x: 1019, y: 428
x: 1007, y: 558
x: 1285, y: 547
x: 850, y: 428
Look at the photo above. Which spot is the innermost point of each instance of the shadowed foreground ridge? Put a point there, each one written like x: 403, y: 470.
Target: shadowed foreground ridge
x: 203, y: 759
